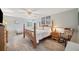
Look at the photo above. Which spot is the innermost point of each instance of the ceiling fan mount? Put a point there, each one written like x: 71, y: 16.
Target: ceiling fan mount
x: 32, y: 12
x: 29, y: 11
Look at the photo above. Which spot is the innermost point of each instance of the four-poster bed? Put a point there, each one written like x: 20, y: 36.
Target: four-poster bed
x: 36, y: 35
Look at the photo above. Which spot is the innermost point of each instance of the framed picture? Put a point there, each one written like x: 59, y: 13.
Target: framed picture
x: 48, y: 20
x: 45, y: 21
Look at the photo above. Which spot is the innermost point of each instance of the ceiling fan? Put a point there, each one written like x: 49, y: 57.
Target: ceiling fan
x: 32, y: 12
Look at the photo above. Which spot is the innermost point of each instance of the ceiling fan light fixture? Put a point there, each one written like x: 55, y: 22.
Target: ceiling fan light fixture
x: 29, y: 12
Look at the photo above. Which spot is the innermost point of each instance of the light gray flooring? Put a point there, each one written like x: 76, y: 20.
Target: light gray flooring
x: 18, y: 43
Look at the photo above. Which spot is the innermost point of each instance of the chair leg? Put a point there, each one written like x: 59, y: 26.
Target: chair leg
x: 65, y: 42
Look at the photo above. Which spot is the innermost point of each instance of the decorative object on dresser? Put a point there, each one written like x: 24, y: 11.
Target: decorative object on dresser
x: 3, y: 38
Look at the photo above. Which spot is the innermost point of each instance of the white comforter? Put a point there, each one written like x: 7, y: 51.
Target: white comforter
x: 40, y: 34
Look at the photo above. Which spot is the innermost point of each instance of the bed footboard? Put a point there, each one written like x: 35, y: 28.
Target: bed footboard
x: 31, y: 35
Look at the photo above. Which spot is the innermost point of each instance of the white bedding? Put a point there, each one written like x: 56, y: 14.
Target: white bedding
x: 40, y: 34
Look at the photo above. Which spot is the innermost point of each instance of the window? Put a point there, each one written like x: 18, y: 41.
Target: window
x: 43, y: 20
x: 46, y: 20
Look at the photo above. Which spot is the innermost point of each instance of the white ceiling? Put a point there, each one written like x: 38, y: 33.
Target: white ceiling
x: 36, y: 12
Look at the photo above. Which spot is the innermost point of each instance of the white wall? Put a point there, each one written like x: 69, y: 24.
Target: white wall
x: 78, y: 35
x: 66, y: 19
x: 78, y: 29
x: 11, y: 25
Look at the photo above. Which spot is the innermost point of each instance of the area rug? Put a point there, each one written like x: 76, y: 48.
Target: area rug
x: 53, y: 46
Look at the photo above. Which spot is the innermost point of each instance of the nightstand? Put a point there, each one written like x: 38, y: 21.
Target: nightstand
x: 55, y: 35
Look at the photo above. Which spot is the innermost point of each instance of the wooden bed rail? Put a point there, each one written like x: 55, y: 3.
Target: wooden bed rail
x: 23, y: 30
x: 30, y: 34
x: 34, y: 39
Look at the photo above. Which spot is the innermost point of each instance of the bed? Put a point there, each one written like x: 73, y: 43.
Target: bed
x: 36, y: 34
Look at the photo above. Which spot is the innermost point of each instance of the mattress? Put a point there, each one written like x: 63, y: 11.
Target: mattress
x: 40, y: 34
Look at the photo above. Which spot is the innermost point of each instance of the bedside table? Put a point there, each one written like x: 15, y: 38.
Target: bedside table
x: 55, y: 35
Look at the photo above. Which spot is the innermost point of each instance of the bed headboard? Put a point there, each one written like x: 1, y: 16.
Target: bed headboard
x: 45, y: 25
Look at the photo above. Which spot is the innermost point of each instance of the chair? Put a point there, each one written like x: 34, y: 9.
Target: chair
x: 68, y: 32
x: 66, y: 36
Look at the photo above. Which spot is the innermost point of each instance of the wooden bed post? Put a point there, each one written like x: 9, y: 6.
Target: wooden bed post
x: 52, y: 26
x: 34, y: 39
x: 23, y: 30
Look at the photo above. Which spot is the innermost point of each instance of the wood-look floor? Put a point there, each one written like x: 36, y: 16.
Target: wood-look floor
x: 18, y: 43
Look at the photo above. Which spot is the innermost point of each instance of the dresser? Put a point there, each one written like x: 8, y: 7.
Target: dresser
x: 3, y: 38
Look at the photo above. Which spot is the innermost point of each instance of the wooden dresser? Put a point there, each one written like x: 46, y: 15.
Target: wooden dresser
x: 3, y: 38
